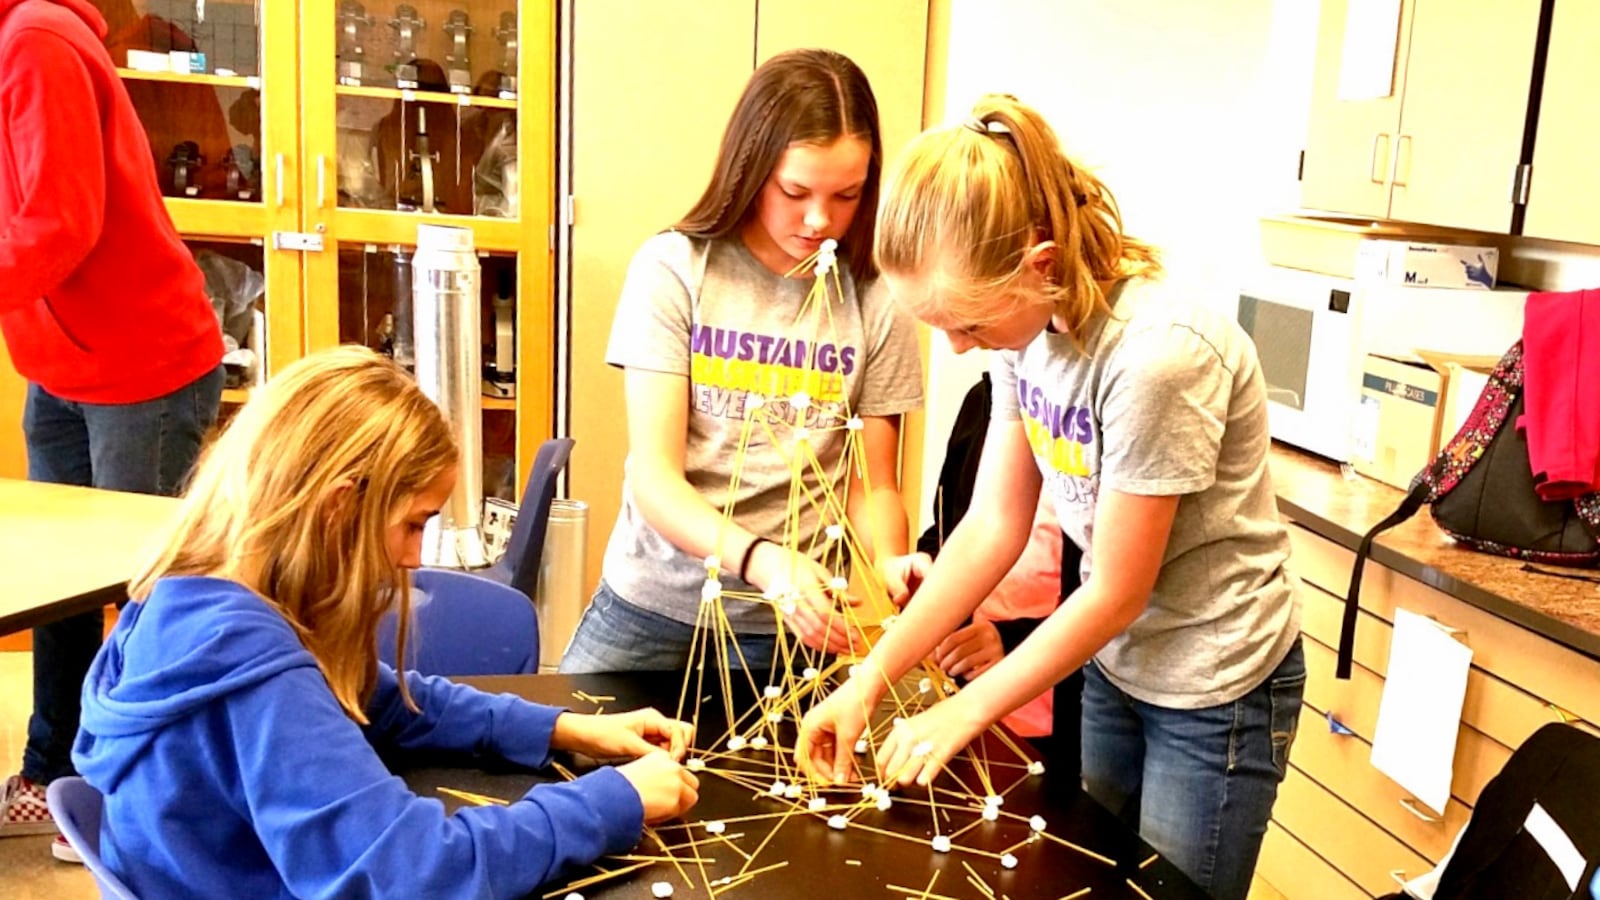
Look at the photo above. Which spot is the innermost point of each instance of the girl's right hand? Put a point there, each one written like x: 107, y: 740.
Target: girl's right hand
x: 825, y: 749
x: 815, y: 618
x: 666, y: 789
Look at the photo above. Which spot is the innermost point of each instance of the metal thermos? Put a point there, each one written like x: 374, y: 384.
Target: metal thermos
x: 560, y: 595
x: 446, y: 327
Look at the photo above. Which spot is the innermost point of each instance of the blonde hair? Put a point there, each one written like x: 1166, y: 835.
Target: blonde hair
x: 294, y: 499
x: 965, y: 204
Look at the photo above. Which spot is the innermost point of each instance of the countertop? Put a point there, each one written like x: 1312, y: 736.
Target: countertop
x: 1314, y: 493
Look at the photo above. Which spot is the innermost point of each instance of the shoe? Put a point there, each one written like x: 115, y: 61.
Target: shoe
x: 23, y: 809
x: 60, y: 849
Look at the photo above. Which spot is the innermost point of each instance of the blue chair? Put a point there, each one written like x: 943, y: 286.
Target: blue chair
x: 75, y: 805
x: 519, y: 567
x: 464, y: 624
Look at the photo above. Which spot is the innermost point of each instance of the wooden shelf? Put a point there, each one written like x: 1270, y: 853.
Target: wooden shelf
x: 505, y: 403
x: 411, y: 96
x: 243, y: 82
x: 240, y: 219
x: 388, y: 226
x: 235, y: 396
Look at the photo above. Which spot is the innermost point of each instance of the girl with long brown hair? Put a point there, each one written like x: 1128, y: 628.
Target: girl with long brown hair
x: 1142, y: 414
x: 708, y: 329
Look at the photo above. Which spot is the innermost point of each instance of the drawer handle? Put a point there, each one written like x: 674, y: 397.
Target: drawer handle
x: 1411, y: 806
x: 1372, y: 159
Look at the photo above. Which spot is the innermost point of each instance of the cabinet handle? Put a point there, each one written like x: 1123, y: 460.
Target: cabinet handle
x: 1372, y: 159
x: 278, y: 164
x: 1403, y: 142
x: 1410, y: 806
x: 322, y: 179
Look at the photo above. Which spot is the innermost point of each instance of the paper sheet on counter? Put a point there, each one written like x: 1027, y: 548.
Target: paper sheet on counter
x: 1420, y: 713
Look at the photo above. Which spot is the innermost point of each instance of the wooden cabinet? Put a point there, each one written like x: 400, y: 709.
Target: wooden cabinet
x: 1444, y: 146
x: 1340, y: 826
x: 652, y: 88
x: 1564, y: 188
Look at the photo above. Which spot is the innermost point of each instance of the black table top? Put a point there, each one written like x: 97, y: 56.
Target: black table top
x: 812, y: 859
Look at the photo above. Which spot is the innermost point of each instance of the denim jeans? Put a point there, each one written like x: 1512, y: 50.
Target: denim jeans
x: 616, y: 636
x: 147, y: 448
x: 1198, y: 784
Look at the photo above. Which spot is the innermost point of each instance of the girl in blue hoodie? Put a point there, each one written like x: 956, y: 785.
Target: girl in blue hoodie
x: 233, y: 719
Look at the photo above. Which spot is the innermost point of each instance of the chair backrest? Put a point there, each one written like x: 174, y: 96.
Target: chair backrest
x: 75, y: 805
x: 464, y: 624
x: 525, y: 549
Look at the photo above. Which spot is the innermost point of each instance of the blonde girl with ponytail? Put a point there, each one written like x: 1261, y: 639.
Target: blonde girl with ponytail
x: 1142, y: 415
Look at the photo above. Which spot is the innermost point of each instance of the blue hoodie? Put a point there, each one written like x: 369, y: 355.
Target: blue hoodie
x: 229, y: 769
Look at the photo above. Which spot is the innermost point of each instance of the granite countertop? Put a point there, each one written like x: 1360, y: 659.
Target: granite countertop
x: 1313, y: 492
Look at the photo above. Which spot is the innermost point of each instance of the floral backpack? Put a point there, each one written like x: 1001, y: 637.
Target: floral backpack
x: 1480, y: 489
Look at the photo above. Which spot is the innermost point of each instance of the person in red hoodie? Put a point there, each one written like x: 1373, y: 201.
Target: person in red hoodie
x: 105, y: 314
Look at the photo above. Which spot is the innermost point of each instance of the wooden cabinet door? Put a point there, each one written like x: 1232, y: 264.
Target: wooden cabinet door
x: 1350, y: 144
x: 1565, y: 189
x: 1468, y: 78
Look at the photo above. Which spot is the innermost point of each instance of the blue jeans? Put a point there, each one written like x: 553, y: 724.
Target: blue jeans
x: 147, y: 448
x: 616, y: 636
x: 1198, y: 784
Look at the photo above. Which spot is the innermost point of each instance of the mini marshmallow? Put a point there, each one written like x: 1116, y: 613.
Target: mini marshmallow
x: 695, y: 764
x: 829, y: 245
x: 898, y: 721
x: 885, y: 801
x: 855, y: 424
x: 838, y: 822
x: 922, y: 749
x: 994, y: 800
x: 810, y: 673
x: 817, y: 804
x: 759, y: 742
x: 710, y: 591
x: 941, y: 843
x: 1009, y: 860
x: 716, y: 826
x: 839, y: 583
x: 792, y: 792
x: 774, y: 716
x: 800, y: 400
x: 991, y: 813
x: 661, y: 889
x: 802, y: 434
x: 754, y: 401
x: 1036, y: 823
x: 888, y: 621
x: 854, y: 668
x: 713, y: 561
x: 1036, y: 768
x: 777, y: 789
x: 925, y: 685
x: 861, y: 745
x: 788, y: 607
x: 772, y: 692
x: 736, y: 743
x: 834, y: 532
x: 573, y: 896
x: 869, y: 789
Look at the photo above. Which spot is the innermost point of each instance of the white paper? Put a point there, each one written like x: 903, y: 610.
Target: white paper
x: 1420, y: 713
x: 1555, y: 841
x: 1371, y: 37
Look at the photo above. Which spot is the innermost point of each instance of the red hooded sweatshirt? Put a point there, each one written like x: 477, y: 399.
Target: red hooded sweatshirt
x: 100, y: 302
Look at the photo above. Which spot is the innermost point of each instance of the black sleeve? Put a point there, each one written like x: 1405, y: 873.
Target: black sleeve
x: 960, y: 470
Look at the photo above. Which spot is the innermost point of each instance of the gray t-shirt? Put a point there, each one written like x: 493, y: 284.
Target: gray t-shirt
x: 708, y: 310
x: 1167, y: 399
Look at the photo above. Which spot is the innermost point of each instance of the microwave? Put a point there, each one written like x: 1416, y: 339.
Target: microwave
x: 1312, y: 333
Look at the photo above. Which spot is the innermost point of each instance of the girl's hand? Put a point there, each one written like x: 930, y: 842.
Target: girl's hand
x: 666, y: 789
x: 622, y: 735
x: 826, y: 745
x: 970, y: 651
x: 806, y: 584
x: 902, y: 575
x: 919, y: 747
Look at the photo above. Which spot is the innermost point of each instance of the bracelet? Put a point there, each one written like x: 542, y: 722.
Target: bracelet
x: 749, y: 551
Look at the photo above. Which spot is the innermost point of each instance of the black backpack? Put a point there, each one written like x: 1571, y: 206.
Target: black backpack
x: 1480, y: 489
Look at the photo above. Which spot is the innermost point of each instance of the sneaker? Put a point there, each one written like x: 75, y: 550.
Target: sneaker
x: 60, y: 849
x: 23, y: 809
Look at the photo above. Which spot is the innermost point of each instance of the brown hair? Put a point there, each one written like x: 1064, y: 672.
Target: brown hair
x: 966, y: 203
x: 294, y: 500
x: 799, y: 97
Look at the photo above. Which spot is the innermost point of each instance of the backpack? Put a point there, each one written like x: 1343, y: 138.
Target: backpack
x: 1480, y: 489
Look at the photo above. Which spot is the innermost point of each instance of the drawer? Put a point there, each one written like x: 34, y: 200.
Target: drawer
x: 1299, y: 874
x: 1507, y: 650
x: 1355, y: 704
x: 1351, y: 842
x: 1491, y: 705
x: 1343, y: 763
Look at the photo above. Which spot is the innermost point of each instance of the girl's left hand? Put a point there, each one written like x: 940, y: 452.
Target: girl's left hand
x: 919, y: 747
x: 621, y: 735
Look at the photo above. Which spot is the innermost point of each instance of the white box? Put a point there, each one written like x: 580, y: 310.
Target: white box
x: 146, y: 61
x: 1418, y: 264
